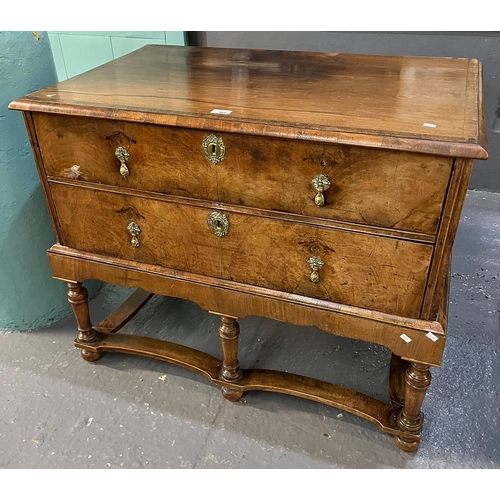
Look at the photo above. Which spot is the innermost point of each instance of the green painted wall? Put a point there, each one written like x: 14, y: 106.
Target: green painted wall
x: 29, y: 296
x: 78, y: 51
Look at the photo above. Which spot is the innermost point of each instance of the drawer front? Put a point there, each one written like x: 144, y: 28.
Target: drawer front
x: 171, y: 234
x: 388, y: 189
x: 375, y: 272
x: 376, y: 187
x: 165, y: 160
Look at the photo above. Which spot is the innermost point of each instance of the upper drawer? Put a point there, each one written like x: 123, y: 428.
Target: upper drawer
x: 375, y: 187
x: 374, y: 272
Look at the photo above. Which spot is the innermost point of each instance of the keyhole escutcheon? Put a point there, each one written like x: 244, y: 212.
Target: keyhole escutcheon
x: 214, y: 149
x: 218, y: 224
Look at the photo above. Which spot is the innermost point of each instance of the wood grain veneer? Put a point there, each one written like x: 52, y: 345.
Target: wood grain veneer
x: 267, y: 173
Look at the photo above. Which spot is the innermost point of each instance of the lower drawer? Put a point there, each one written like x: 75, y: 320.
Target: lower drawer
x: 375, y: 272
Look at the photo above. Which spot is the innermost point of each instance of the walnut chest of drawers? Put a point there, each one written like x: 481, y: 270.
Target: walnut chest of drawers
x: 312, y: 188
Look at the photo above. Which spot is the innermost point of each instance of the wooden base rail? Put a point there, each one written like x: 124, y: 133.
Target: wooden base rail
x: 377, y: 412
x: 407, y: 386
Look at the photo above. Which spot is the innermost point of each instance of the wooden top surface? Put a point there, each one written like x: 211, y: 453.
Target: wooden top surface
x: 431, y: 105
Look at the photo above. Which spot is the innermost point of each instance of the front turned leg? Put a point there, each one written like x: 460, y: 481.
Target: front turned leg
x: 231, y: 371
x: 410, y: 418
x: 78, y: 297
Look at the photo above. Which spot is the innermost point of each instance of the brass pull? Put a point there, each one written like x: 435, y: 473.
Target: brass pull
x: 321, y: 183
x: 213, y: 147
x: 134, y: 231
x: 218, y: 224
x: 123, y: 157
x: 315, y: 263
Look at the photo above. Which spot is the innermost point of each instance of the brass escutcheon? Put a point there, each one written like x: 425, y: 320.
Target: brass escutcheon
x: 123, y: 157
x: 134, y: 231
x: 321, y: 183
x: 218, y: 224
x: 214, y: 149
x: 315, y: 263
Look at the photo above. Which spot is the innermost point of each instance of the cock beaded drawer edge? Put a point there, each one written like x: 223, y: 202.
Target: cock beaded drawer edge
x: 311, y: 188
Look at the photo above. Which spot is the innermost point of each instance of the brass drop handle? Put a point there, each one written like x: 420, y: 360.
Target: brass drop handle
x: 134, y: 231
x: 218, y: 224
x: 123, y: 157
x: 315, y: 263
x: 321, y: 183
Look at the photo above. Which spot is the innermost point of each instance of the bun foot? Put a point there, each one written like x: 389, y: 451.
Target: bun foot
x: 90, y: 355
x: 407, y: 444
x: 231, y: 394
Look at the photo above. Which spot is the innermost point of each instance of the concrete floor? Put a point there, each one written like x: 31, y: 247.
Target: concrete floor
x: 57, y: 411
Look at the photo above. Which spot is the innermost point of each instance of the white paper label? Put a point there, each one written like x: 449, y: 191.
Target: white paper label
x: 431, y: 336
x: 431, y: 125
x: 221, y: 111
x: 405, y: 338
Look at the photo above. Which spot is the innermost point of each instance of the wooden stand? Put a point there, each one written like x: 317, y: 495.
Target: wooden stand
x: 407, y: 388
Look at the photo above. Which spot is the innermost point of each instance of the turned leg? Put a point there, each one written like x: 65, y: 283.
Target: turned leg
x: 231, y: 371
x: 410, y: 418
x: 397, y: 382
x: 78, y: 298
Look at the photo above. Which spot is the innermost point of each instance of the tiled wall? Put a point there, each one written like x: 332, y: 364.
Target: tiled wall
x: 77, y: 51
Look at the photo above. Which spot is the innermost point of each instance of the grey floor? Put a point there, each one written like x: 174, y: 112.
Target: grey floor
x: 57, y: 411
